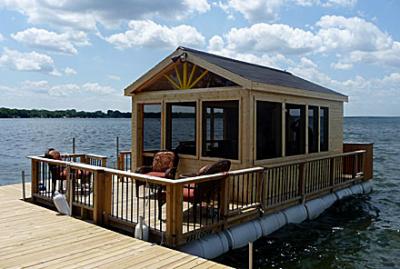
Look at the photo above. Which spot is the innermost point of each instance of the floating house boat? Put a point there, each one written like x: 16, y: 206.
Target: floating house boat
x: 223, y: 152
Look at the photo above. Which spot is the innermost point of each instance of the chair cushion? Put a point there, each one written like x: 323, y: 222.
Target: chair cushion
x: 218, y: 167
x: 156, y: 174
x: 163, y: 160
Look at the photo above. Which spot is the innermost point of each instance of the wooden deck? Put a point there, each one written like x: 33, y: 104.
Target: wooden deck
x: 35, y: 237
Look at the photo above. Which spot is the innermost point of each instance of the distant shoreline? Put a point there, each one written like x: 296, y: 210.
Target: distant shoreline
x: 14, y: 113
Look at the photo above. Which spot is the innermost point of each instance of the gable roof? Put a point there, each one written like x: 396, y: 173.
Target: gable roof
x: 259, y: 73
x: 249, y: 72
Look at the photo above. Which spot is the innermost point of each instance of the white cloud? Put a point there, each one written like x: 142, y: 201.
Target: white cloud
x: 97, y: 88
x: 85, y: 15
x: 268, y: 10
x: 69, y: 71
x: 340, y: 3
x: 341, y: 66
x: 1, y: 37
x: 47, y: 40
x: 68, y: 89
x: 28, y: 61
x: 388, y: 57
x: 351, y: 40
x: 255, y: 10
x: 114, y: 77
x: 261, y: 38
x: 149, y: 34
x: 38, y: 84
x: 349, y: 34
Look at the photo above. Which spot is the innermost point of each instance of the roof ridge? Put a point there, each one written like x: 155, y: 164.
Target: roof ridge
x: 231, y: 59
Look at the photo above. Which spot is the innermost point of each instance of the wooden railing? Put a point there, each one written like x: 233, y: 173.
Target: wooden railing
x: 181, y: 210
x: 299, y: 181
x: 124, y: 160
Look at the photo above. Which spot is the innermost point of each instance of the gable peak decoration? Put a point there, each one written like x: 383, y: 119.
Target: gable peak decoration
x: 184, y: 78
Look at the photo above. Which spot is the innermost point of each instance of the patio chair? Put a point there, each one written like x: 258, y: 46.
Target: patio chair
x: 164, y: 165
x: 197, y: 193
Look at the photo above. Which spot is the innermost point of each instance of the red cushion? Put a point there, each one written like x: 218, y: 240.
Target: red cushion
x: 188, y: 193
x: 156, y: 174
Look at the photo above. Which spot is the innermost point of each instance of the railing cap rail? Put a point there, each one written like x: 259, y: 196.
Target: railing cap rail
x: 150, y: 179
x: 269, y: 166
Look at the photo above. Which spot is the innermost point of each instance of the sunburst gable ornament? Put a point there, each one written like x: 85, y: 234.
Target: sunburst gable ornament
x: 185, y: 80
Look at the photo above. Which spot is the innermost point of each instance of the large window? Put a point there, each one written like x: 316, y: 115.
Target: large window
x: 181, y: 127
x: 324, y: 129
x: 220, y: 129
x: 312, y: 129
x: 151, y: 127
x: 295, y: 129
x: 269, y: 130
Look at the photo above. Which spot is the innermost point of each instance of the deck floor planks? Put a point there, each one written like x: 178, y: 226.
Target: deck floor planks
x: 35, y: 237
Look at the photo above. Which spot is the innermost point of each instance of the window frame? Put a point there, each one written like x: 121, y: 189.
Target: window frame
x: 327, y: 133
x: 171, y: 103
x: 282, y: 104
x: 316, y: 109
x: 143, y: 104
x: 201, y: 129
x: 303, y: 122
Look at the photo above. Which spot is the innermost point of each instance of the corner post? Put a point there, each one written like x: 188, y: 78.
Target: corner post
x: 98, y: 196
x: 34, y: 177
x: 174, y: 216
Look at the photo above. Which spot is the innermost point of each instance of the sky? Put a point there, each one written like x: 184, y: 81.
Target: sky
x: 64, y: 54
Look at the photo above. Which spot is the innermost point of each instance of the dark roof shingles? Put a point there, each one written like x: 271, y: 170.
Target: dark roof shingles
x: 262, y: 74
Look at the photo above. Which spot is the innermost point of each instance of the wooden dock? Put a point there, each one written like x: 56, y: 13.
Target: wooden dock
x: 35, y: 237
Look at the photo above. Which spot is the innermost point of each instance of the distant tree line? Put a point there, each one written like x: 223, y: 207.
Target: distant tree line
x: 69, y: 113
x: 72, y: 113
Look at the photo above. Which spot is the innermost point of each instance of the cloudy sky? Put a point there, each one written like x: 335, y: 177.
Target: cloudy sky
x: 59, y: 54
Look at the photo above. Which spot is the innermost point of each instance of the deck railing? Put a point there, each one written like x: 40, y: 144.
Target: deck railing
x: 124, y: 160
x: 181, y: 210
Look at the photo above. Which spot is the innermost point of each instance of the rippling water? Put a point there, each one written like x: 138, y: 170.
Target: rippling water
x: 363, y: 232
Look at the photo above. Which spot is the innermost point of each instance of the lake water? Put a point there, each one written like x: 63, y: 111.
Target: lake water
x: 363, y: 232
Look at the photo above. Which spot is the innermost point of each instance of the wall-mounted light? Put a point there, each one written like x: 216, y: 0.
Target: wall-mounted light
x: 182, y: 58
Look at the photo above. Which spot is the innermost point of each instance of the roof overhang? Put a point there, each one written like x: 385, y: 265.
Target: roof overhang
x: 168, y: 63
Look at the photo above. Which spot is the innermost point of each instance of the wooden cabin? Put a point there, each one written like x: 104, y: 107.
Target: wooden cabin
x: 283, y: 135
x: 250, y: 114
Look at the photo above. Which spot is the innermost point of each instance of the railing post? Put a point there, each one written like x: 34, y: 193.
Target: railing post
x: 34, y: 177
x: 121, y: 162
x: 107, y: 200
x: 98, y: 196
x: 104, y: 161
x: 174, y: 214
x: 332, y: 173
x: 225, y: 196
x: 362, y: 169
x: 70, y: 188
x: 355, y: 166
x: 301, y: 182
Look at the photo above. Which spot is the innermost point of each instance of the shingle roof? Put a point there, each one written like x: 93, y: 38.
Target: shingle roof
x: 261, y: 74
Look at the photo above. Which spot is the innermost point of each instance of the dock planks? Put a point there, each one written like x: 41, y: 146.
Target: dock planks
x: 35, y: 237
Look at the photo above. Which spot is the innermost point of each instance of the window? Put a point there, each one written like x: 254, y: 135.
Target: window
x: 295, y: 129
x: 269, y: 130
x: 312, y: 129
x: 181, y: 127
x: 220, y: 129
x: 324, y: 129
x: 151, y: 127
